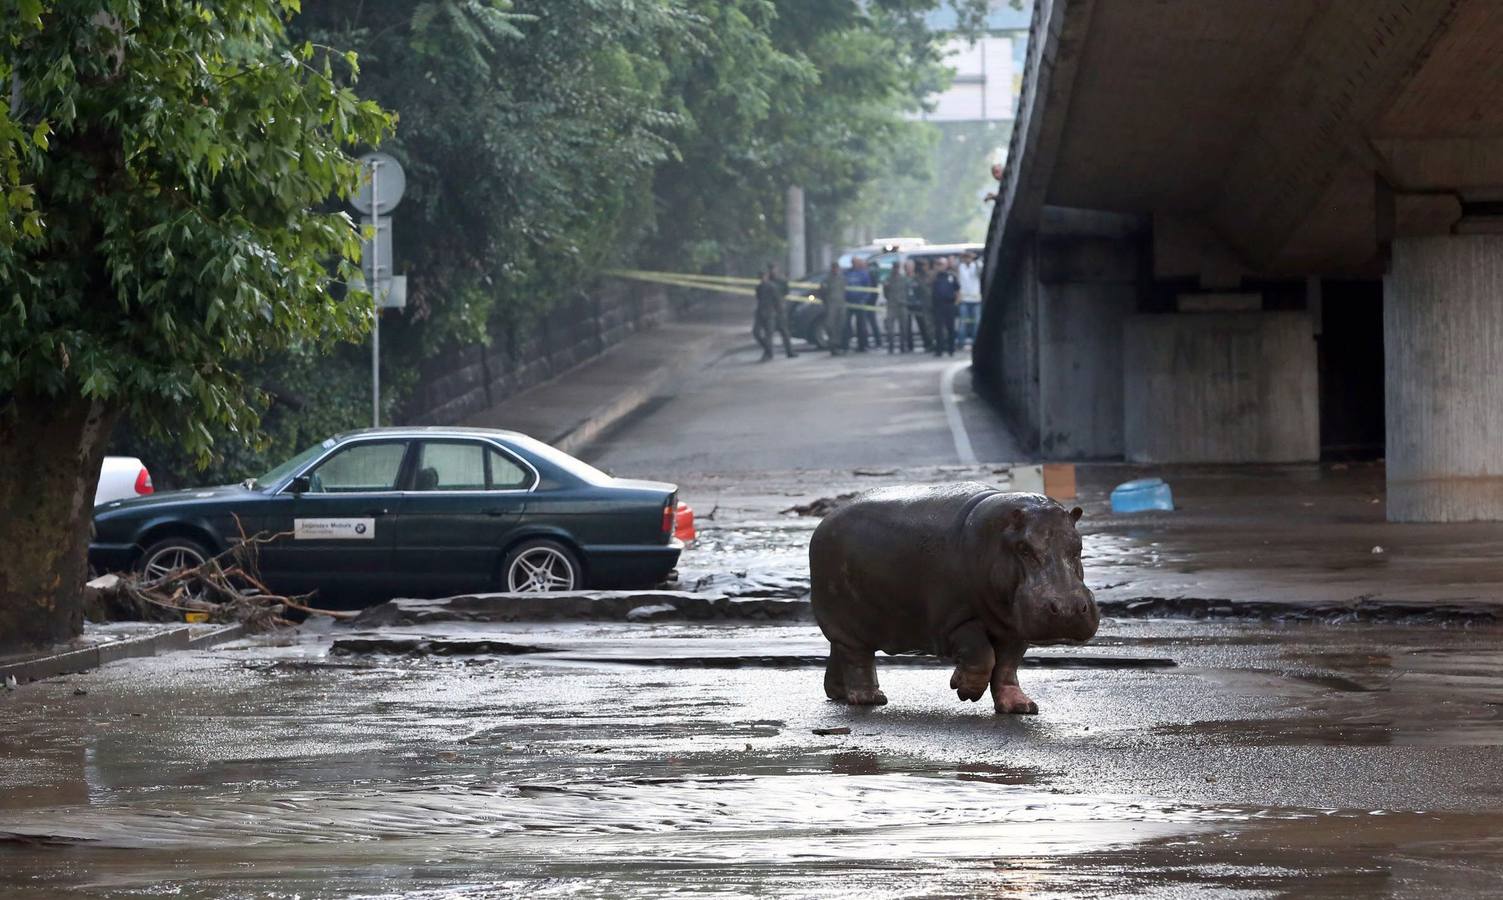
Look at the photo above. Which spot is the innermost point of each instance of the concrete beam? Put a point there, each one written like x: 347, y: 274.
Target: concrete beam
x: 1442, y: 163
x: 1353, y: 62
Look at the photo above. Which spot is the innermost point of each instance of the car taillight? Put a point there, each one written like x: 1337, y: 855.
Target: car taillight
x: 143, y: 482
x: 668, y: 517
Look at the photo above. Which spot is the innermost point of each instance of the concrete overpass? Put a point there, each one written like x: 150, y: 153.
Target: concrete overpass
x: 1259, y: 231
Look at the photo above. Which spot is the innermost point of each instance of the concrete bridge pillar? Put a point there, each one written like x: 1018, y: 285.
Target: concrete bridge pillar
x: 1443, y: 352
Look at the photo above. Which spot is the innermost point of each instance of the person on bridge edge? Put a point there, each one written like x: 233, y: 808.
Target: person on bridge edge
x: 772, y: 312
x: 833, y: 291
x: 944, y: 294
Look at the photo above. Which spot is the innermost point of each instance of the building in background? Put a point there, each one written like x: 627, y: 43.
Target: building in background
x: 971, y: 122
x: 988, y: 71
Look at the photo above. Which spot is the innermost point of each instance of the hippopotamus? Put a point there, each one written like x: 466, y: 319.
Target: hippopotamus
x: 962, y: 571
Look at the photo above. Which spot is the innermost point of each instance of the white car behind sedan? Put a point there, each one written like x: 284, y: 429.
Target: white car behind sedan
x: 121, y: 477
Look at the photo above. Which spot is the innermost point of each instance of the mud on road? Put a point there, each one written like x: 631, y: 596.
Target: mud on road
x: 1308, y: 759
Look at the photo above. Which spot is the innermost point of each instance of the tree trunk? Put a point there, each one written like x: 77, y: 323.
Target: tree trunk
x: 50, y: 453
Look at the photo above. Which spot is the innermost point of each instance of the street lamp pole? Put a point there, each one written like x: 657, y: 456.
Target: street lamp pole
x: 374, y: 282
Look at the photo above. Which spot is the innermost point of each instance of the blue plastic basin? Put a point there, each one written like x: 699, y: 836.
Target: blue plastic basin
x: 1143, y: 494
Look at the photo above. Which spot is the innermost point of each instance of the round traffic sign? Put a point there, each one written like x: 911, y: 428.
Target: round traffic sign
x: 386, y: 174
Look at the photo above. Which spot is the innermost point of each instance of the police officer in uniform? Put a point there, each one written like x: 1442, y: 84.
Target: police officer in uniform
x: 895, y: 292
x: 772, y: 313
x: 920, y: 303
x: 834, y: 291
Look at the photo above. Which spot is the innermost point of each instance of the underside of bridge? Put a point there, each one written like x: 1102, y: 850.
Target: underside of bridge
x: 1259, y: 231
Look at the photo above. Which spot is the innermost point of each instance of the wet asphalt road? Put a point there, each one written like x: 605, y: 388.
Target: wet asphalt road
x: 813, y: 412
x: 1270, y: 761
x: 645, y: 760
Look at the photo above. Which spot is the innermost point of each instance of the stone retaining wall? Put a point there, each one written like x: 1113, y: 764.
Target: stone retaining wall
x: 472, y: 378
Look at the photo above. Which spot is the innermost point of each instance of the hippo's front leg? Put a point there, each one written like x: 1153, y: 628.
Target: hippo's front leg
x: 974, y: 660
x: 1008, y: 697
x: 858, y: 670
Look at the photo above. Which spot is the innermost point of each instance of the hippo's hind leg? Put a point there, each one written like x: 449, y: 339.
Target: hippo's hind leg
x: 974, y: 661
x: 835, y: 675
x: 1008, y: 697
x: 858, y: 672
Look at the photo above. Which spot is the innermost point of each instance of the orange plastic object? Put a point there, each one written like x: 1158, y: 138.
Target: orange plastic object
x: 683, y: 523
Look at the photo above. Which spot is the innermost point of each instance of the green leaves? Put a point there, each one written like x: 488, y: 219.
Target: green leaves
x: 160, y: 217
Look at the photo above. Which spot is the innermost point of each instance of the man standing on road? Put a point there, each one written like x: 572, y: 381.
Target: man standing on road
x: 944, y: 292
x: 895, y: 292
x: 861, y: 322
x: 834, y: 296
x: 920, y: 307
x: 968, y: 273
x: 772, y: 313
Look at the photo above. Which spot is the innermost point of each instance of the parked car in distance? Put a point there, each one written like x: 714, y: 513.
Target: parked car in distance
x: 122, y: 477
x: 382, y: 512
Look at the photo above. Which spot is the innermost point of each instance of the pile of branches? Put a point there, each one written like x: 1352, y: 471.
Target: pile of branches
x: 226, y: 588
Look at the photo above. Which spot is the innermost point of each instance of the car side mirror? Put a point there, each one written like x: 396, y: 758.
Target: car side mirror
x: 300, y: 485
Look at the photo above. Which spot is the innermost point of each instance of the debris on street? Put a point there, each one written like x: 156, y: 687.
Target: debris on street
x: 224, y: 589
x: 821, y: 507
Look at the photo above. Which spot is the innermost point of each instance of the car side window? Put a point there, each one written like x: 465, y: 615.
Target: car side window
x: 362, y: 467
x: 450, y: 467
x: 506, y: 475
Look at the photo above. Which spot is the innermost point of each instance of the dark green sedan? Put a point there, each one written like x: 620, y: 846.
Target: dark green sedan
x: 387, y: 512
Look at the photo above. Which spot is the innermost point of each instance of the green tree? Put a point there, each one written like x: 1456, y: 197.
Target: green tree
x: 163, y: 165
x: 782, y: 92
x: 527, y: 130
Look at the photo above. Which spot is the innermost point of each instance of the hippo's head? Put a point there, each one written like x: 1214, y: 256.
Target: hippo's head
x: 1040, y: 564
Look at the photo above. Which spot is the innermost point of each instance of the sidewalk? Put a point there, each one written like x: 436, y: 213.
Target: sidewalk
x: 1268, y: 537
x: 577, y: 406
x: 101, y: 644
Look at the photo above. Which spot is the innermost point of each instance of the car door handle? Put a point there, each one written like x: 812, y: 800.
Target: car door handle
x: 378, y: 511
x: 496, y: 512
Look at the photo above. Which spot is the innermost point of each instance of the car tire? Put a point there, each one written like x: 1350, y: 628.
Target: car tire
x: 541, y: 566
x: 168, y: 555
x: 819, y: 336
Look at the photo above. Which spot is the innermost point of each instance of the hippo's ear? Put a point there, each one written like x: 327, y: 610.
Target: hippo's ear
x: 1076, y: 513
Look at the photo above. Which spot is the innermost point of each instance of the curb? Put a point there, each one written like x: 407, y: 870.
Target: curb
x: 1361, y: 609
x: 94, y: 657
x: 633, y: 606
x: 610, y: 413
x: 602, y: 606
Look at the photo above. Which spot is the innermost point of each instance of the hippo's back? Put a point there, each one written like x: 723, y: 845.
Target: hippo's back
x: 880, y: 564
x: 918, y: 506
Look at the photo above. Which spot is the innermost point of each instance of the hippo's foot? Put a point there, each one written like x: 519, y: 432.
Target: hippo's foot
x: 866, y: 697
x: 970, y: 684
x: 1011, y: 700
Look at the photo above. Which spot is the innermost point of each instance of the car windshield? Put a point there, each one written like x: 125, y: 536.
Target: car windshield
x: 562, y: 460
x: 282, y: 471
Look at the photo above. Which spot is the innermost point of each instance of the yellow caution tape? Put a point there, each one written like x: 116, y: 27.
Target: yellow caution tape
x: 728, y: 284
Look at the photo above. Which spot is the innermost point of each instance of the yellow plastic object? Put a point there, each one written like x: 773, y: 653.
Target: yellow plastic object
x: 195, y: 618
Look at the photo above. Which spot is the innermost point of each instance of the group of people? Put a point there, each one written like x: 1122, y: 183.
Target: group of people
x: 932, y: 302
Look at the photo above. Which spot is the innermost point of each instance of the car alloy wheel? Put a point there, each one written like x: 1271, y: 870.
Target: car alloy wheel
x: 171, y: 555
x: 170, y: 559
x: 541, y: 568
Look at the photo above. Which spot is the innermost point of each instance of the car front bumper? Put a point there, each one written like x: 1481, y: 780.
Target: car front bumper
x: 112, y: 557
